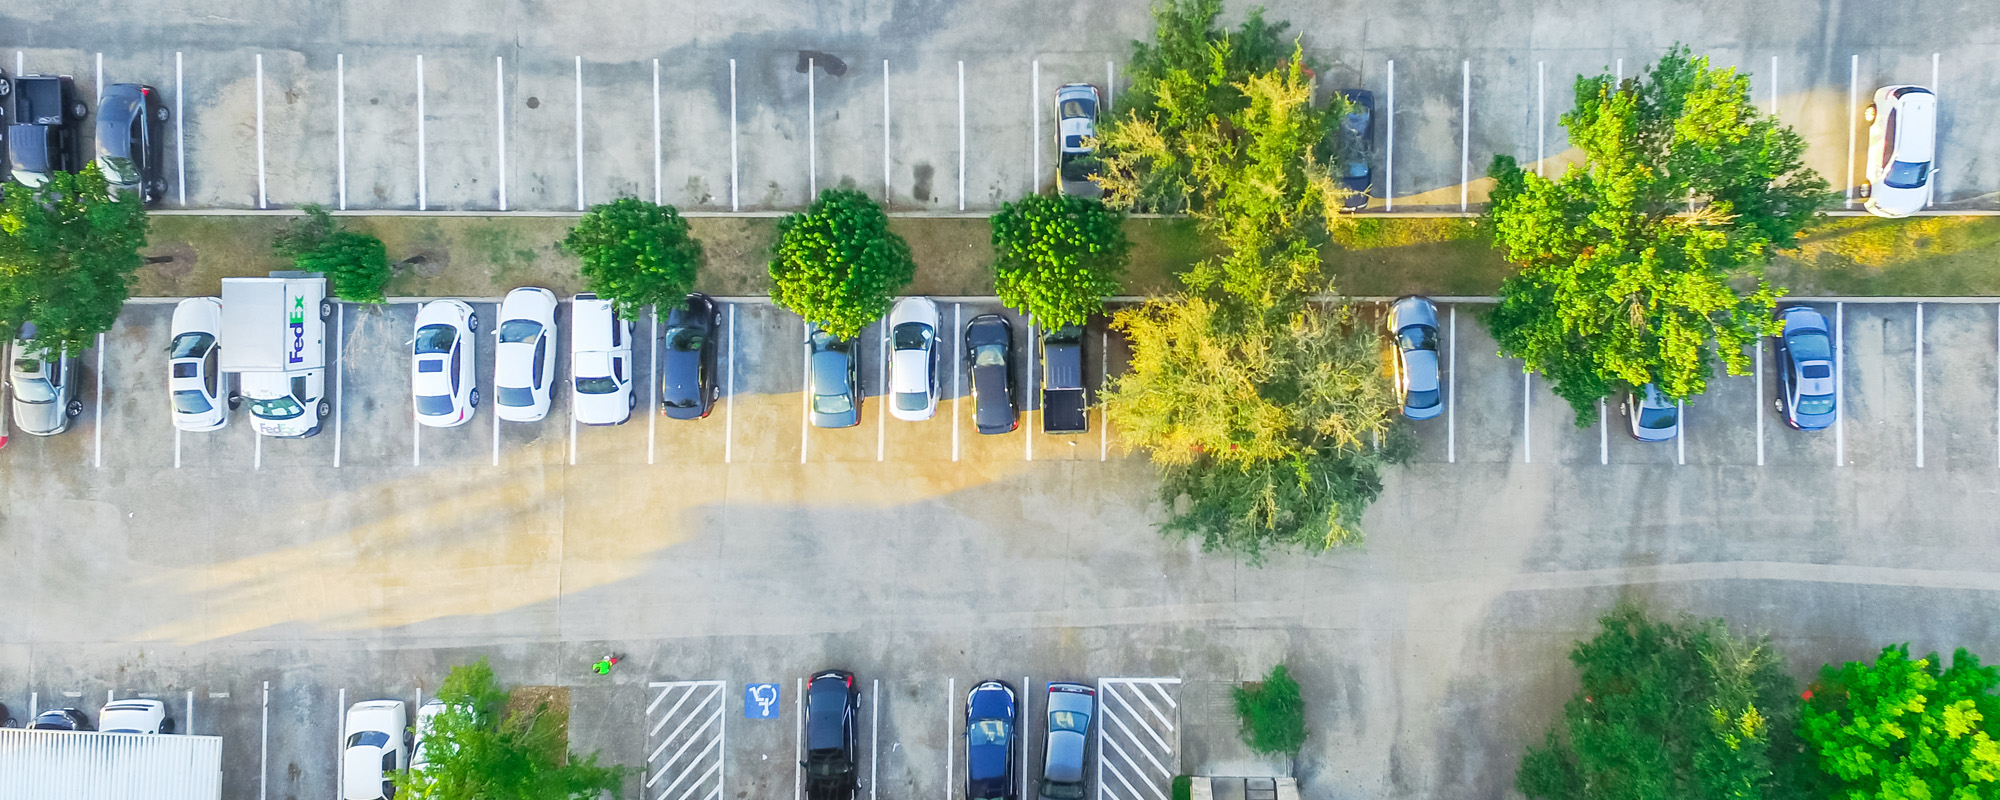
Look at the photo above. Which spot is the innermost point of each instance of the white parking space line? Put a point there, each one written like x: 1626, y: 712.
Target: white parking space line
x: 957, y: 353
x: 729, y: 394
x: 264, y: 740
x: 1465, y: 138
x: 697, y: 763
x: 496, y: 430
x: 1853, y: 103
x: 961, y: 135
x: 579, y: 133
x: 1918, y: 379
x: 950, y: 752
x: 500, y: 121
x: 339, y: 375
x: 1680, y: 433
x: 1757, y: 402
x: 659, y: 191
x: 805, y: 392
x: 100, y: 81
x: 1541, y: 114
x: 1930, y: 198
x: 257, y: 452
x: 262, y: 197
x: 1451, y: 393
x: 886, y: 189
x: 180, y: 134
x: 1389, y: 138
x: 798, y: 737
x: 187, y: 714
x: 732, y: 144
x: 653, y: 389
x: 812, y: 131
x: 882, y: 411
x: 1527, y: 421
x: 1839, y: 387
x: 1603, y: 434
x: 339, y: 126
x: 1035, y: 136
x: 1103, y: 375
x: 1027, y: 717
x: 1111, y: 83
x: 97, y: 413
x: 423, y: 180
x: 874, y: 734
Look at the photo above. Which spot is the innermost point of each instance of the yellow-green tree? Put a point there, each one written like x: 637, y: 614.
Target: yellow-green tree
x: 1902, y: 729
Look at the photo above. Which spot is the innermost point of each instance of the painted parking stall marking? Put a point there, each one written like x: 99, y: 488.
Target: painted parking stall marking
x: 685, y: 738
x: 1138, y: 737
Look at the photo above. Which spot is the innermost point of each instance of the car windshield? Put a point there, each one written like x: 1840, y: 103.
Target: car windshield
x: 596, y: 385
x: 1068, y: 721
x: 1815, y: 371
x: 277, y: 408
x: 988, y: 731
x: 433, y: 405
x: 119, y: 170
x: 191, y: 401
x: 1906, y: 174
x: 368, y: 739
x: 1816, y: 404
x: 191, y: 345
x: 1077, y: 107
x: 991, y: 355
x: 34, y: 390
x: 1657, y: 419
x: 912, y: 401
x: 1423, y: 399
x: 435, y: 339
x: 517, y: 331
x: 912, y: 336
x: 1417, y: 337
x: 684, y: 339
x: 833, y: 403
x: 514, y: 397
x: 1811, y: 347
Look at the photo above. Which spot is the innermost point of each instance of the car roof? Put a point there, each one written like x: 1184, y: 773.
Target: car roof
x: 829, y: 371
x: 590, y: 324
x: 1916, y: 123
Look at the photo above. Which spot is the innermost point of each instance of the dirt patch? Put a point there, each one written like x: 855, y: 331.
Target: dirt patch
x: 553, y: 704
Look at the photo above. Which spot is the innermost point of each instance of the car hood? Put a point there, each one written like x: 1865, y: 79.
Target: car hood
x: 1896, y: 202
x: 199, y: 314
x: 1065, y: 757
x: 28, y: 149
x: 39, y: 418
x: 1412, y: 311
x: 361, y: 771
x: 602, y: 409
x: 1423, y: 367
x: 910, y: 371
x: 514, y: 365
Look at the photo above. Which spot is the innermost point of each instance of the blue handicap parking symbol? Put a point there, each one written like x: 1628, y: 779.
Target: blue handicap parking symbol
x: 760, y: 701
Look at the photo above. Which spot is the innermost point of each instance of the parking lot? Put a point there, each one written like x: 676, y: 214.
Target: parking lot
x: 954, y: 115
x: 749, y: 548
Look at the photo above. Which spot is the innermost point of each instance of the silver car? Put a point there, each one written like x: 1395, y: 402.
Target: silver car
x: 1071, y: 707
x: 1653, y: 417
x: 44, y: 388
x: 836, y: 379
x: 1076, y: 128
x: 1414, y: 321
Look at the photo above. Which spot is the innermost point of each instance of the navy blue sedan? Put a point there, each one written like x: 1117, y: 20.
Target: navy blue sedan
x: 989, y: 741
x: 1805, y: 369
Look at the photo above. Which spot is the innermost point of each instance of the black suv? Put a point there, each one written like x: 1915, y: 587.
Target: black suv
x: 832, y: 703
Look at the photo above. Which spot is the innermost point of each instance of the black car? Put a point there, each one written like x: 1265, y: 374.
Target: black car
x: 62, y: 719
x: 131, y: 140
x: 1357, y: 146
x: 688, y: 389
x: 989, y: 356
x: 44, y: 137
x: 831, y: 765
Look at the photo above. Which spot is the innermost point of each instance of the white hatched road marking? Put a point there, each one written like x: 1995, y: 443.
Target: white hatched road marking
x: 696, y: 761
x: 1138, y: 737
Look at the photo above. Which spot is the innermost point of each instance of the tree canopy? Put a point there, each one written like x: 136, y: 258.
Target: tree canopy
x: 1670, y: 711
x: 636, y: 254
x: 1057, y: 257
x: 68, y: 251
x: 356, y: 264
x: 482, y: 748
x: 837, y: 264
x: 1644, y: 263
x: 1900, y: 729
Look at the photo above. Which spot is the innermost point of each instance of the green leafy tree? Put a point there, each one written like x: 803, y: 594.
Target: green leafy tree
x: 68, y: 251
x: 1644, y: 264
x: 636, y: 254
x: 480, y: 748
x: 1272, y: 713
x: 1899, y: 729
x: 1057, y: 257
x: 355, y: 263
x: 1671, y: 711
x: 838, y: 265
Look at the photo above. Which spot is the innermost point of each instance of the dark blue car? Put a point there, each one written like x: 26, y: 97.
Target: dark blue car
x: 989, y: 741
x: 1805, y: 369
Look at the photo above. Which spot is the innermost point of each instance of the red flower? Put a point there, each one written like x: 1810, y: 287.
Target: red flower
x: 1807, y: 695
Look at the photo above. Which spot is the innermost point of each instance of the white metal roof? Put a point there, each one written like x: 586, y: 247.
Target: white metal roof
x: 109, y: 766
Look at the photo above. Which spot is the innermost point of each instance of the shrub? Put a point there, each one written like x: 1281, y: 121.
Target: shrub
x: 636, y: 253
x: 1057, y: 257
x: 356, y: 264
x: 1273, y: 714
x: 837, y: 264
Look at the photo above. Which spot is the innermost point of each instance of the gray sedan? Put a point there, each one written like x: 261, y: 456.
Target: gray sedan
x: 1654, y: 417
x: 834, y: 379
x: 1414, y: 321
x: 1071, y: 706
x: 44, y: 385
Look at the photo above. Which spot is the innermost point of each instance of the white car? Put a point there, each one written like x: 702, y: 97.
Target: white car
x: 1902, y: 142
x: 135, y: 716
x: 600, y: 363
x: 524, y: 355
x: 1076, y: 124
x: 375, y: 747
x: 427, y: 715
x: 442, y: 380
x: 44, y: 385
x: 913, y: 380
x: 194, y: 382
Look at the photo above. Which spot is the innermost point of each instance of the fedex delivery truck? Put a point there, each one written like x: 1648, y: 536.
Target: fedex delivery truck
x: 274, y: 339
